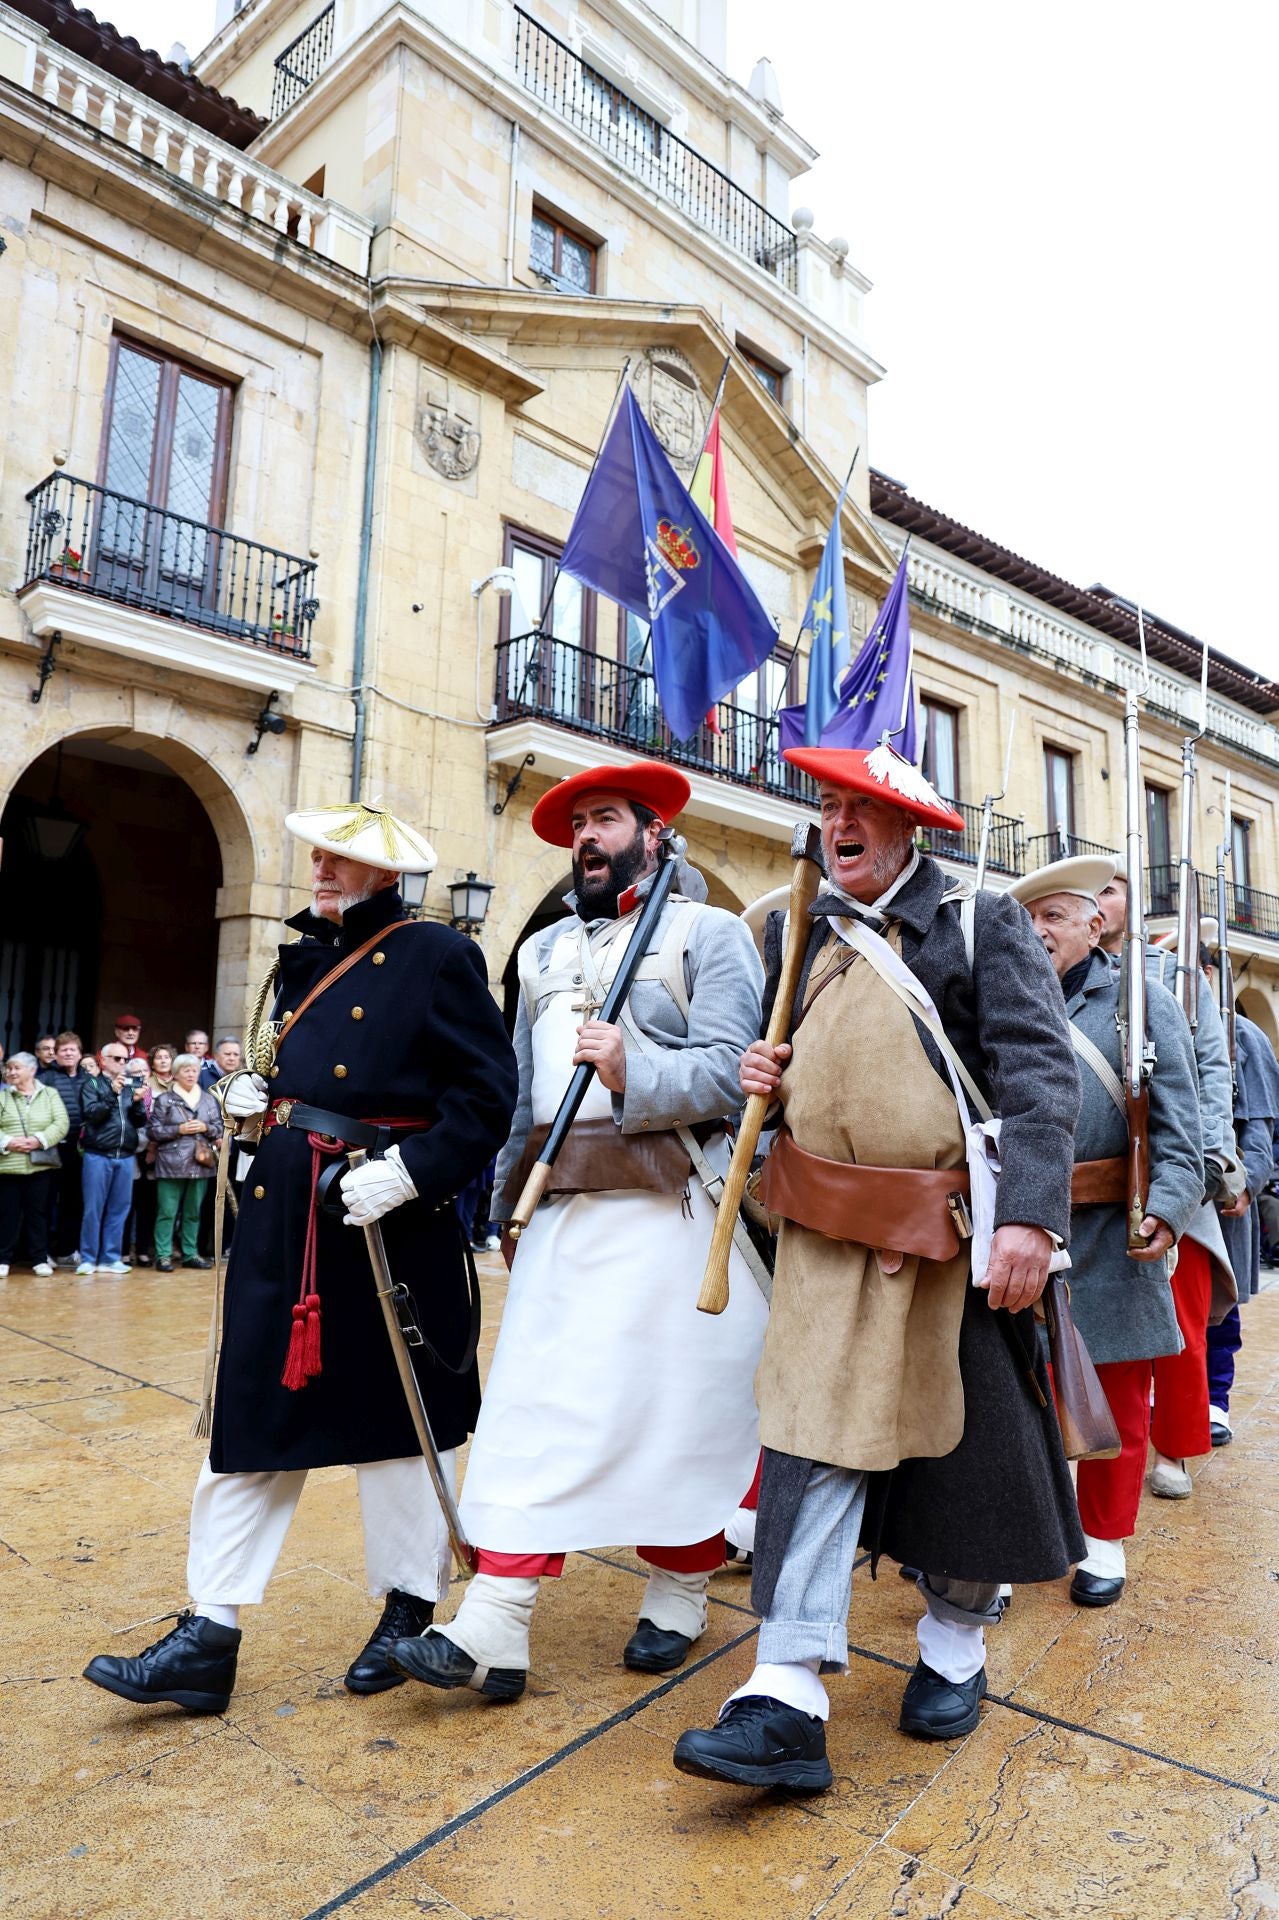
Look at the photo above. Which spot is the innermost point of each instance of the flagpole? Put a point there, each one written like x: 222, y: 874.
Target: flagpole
x: 638, y: 669
x: 794, y: 652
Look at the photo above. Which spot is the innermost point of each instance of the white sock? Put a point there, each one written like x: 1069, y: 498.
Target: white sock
x: 1218, y: 1417
x: 954, y: 1651
x: 794, y: 1682
x: 676, y: 1602
x: 1105, y: 1558
x: 740, y: 1531
x: 492, y: 1622
x: 221, y: 1616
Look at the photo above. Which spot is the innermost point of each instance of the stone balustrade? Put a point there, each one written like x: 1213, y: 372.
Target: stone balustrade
x: 986, y: 603
x: 224, y: 173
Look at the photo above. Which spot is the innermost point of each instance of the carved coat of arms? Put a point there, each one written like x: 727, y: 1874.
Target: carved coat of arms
x: 667, y: 389
x: 450, y: 443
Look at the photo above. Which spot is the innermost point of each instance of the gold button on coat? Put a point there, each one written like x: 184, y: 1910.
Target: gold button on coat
x: 357, y: 1013
x: 339, y: 1073
x: 259, y: 1193
x: 378, y: 958
x: 275, y: 1073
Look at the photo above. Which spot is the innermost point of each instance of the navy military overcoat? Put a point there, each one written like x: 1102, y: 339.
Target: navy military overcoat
x: 410, y: 1030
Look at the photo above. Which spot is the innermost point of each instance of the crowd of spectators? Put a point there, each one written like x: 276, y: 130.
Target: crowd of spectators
x: 107, y: 1157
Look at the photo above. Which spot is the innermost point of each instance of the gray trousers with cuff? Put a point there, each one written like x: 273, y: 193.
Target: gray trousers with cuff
x: 808, y: 1619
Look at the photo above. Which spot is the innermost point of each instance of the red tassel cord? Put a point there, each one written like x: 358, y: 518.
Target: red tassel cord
x: 302, y: 1361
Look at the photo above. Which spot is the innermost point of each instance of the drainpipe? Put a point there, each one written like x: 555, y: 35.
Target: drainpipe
x: 362, y: 583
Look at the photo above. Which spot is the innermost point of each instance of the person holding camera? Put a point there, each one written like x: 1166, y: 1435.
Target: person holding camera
x: 185, y: 1125
x: 112, y: 1113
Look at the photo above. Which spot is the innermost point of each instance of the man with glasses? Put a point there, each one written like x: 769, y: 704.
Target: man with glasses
x: 128, y: 1031
x: 112, y: 1112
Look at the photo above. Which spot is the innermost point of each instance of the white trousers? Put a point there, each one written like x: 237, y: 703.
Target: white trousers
x: 239, y: 1521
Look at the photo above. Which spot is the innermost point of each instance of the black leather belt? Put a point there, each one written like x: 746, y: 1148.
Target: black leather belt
x: 339, y: 1127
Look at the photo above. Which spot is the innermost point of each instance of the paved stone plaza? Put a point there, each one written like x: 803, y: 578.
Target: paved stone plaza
x: 1124, y: 1765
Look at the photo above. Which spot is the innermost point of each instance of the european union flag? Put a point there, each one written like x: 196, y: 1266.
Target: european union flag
x: 826, y: 619
x: 876, y: 695
x: 640, y: 539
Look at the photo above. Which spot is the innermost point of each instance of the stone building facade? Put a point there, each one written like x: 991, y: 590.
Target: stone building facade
x: 309, y: 351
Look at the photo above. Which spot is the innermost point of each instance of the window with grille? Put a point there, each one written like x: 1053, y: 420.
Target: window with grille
x: 1059, y: 784
x: 941, y: 747
x: 559, y: 255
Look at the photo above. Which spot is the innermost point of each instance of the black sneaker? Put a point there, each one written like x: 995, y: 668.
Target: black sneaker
x: 402, y: 1615
x: 934, y: 1708
x: 194, y: 1667
x: 199, y: 1261
x: 759, y: 1742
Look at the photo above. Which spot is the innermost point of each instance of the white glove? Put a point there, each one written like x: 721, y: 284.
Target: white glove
x: 376, y: 1187
x: 246, y: 1096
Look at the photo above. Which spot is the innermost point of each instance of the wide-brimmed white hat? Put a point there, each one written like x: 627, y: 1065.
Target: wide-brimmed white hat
x: 366, y: 833
x: 1084, y: 873
x: 1207, y: 933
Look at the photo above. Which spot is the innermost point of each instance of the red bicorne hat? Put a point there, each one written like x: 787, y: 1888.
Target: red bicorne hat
x: 884, y: 775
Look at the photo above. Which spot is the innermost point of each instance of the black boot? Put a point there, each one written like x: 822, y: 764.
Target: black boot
x: 402, y: 1616
x: 934, y: 1708
x: 759, y: 1742
x: 194, y: 1667
x: 652, y: 1649
x: 437, y: 1660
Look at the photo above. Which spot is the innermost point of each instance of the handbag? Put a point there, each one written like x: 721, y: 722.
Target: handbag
x: 203, y: 1155
x: 1088, y: 1430
x: 45, y: 1157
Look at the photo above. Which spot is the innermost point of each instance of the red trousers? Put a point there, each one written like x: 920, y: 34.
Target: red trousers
x: 1180, y: 1424
x: 702, y: 1557
x: 1109, y: 1491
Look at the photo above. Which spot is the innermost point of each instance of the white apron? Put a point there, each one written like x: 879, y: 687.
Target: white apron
x: 615, y: 1413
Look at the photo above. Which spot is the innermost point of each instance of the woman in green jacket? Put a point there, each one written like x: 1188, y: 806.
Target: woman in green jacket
x: 32, y: 1122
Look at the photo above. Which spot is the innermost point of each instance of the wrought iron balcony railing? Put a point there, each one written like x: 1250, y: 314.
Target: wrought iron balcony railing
x: 1005, y: 854
x: 105, y: 544
x: 541, y: 678
x: 618, y: 124
x: 1060, y: 845
x: 302, y: 62
x: 1248, y: 910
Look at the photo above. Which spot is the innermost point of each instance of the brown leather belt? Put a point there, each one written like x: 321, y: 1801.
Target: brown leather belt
x: 908, y: 1209
x: 597, y: 1157
x: 1099, y: 1183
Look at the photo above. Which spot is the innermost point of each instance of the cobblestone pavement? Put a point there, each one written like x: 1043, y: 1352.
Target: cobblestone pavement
x: 1124, y: 1765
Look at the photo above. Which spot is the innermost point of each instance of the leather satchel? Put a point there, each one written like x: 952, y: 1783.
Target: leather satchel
x: 1088, y: 1430
x: 906, y: 1209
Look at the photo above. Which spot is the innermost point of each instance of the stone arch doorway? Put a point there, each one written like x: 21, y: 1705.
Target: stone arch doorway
x: 126, y: 919
x: 1254, y: 1006
x: 548, y: 910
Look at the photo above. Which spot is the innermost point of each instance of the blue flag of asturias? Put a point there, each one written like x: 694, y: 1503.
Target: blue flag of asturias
x: 826, y: 619
x: 876, y: 695
x: 640, y: 539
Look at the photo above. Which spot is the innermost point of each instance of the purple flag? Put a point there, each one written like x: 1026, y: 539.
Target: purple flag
x: 876, y: 695
x: 640, y: 539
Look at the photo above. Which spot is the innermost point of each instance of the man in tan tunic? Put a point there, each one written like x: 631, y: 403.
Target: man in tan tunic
x: 902, y: 1398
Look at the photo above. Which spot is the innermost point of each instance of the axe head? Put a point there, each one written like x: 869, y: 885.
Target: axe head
x: 806, y: 843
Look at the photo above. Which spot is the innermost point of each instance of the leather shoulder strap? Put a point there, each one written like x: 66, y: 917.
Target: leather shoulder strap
x: 335, y: 974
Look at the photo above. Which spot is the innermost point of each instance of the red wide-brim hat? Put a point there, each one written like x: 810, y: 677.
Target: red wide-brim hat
x: 663, y: 790
x: 882, y: 774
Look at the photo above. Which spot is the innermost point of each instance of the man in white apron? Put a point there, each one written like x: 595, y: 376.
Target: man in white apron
x: 614, y: 1411
x: 902, y: 1398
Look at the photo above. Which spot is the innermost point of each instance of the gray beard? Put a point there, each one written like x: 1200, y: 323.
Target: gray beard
x: 348, y: 900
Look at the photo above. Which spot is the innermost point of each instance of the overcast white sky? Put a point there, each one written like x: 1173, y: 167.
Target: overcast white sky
x: 1068, y: 214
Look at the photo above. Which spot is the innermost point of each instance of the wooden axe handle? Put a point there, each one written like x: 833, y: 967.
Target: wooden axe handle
x: 713, y: 1297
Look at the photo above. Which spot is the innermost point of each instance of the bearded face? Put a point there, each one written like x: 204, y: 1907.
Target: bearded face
x: 611, y: 851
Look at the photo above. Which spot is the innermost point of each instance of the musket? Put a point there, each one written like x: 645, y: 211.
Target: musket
x: 806, y: 875
x: 1225, y: 971
x: 1187, y: 976
x: 671, y: 849
x: 1138, y: 1055
x: 404, y: 1333
x: 988, y: 807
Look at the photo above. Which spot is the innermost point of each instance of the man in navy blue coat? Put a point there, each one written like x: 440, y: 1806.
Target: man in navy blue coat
x: 388, y: 1039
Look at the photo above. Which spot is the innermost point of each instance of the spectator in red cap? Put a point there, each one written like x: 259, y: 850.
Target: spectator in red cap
x: 128, y: 1029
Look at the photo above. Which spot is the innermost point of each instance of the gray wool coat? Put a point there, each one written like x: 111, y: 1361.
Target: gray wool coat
x: 694, y: 1078
x: 1216, y: 1120
x: 1122, y: 1307
x: 1255, y: 1114
x: 1000, y: 1506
